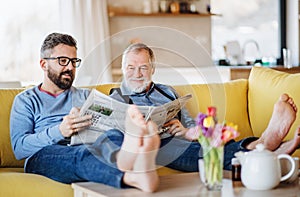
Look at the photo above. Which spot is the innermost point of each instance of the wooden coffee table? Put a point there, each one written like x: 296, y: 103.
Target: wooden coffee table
x: 186, y: 184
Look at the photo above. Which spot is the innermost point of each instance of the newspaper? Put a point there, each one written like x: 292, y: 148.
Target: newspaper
x: 108, y: 113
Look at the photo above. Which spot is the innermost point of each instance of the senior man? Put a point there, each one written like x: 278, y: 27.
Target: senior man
x: 179, y: 149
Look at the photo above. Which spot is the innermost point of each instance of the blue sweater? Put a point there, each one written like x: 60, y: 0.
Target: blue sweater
x: 36, y: 116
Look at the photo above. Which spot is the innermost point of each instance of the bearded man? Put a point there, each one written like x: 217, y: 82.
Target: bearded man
x: 179, y: 148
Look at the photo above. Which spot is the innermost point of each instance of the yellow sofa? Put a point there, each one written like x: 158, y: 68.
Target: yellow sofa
x: 248, y: 103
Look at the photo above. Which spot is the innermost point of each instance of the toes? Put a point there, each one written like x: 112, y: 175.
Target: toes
x: 137, y: 117
x: 284, y: 97
x: 291, y: 101
x: 152, y: 128
x: 131, y: 110
x: 134, y: 122
x: 294, y: 106
x: 298, y: 132
x: 134, y: 113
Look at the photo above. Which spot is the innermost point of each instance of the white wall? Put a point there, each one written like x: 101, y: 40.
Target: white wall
x: 293, y: 30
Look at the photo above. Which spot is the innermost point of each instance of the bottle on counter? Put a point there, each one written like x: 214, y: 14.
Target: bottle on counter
x: 236, y: 169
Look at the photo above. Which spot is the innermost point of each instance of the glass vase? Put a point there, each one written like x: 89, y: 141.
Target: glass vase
x: 213, y: 167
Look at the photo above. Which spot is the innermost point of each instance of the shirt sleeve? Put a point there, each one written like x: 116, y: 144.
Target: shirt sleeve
x: 25, y: 141
x: 186, y: 119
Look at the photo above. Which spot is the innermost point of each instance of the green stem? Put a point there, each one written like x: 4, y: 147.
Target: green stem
x: 213, y: 162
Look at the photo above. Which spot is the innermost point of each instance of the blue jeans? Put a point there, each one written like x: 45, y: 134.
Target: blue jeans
x: 97, y: 162
x: 68, y: 164
x: 183, y: 155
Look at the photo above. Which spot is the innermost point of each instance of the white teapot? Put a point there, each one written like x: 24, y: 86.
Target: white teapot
x: 261, y: 168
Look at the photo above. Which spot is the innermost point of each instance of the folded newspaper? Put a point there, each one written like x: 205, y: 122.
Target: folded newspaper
x: 109, y: 113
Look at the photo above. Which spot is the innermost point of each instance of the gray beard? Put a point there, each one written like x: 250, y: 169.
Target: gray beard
x: 140, y: 89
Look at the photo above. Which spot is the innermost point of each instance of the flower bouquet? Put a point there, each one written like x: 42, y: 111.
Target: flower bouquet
x: 212, y: 137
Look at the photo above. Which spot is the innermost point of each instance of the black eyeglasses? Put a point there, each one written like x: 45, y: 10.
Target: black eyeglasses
x: 64, y: 61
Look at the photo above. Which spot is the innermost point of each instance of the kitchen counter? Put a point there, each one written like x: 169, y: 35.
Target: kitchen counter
x: 243, y: 72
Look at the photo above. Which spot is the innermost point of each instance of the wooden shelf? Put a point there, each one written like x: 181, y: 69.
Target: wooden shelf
x: 112, y: 14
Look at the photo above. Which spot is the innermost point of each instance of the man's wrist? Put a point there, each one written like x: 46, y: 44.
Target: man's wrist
x: 192, y: 134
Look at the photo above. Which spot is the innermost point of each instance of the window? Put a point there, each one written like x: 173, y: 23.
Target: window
x: 254, y: 24
x: 23, y: 27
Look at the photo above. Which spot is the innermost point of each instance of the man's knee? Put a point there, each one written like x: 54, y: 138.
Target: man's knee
x: 110, y: 136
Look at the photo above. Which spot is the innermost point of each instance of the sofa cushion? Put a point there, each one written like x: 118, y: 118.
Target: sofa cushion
x: 230, y: 98
x: 7, y: 157
x: 105, y: 88
x: 24, y: 184
x: 265, y: 87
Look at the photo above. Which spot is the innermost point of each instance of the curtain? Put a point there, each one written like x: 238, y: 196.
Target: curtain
x: 87, y: 21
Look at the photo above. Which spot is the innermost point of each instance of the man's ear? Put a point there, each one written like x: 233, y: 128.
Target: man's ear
x: 43, y: 64
x: 153, y: 70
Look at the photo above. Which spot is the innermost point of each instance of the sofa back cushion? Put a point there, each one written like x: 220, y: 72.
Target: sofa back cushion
x: 230, y: 98
x: 105, y: 88
x: 7, y: 158
x: 265, y: 87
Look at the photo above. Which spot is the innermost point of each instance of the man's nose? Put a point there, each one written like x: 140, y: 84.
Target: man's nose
x: 70, y: 65
x: 137, y: 72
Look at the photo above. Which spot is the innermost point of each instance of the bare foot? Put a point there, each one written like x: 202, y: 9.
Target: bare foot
x: 148, y: 151
x: 284, y: 115
x: 138, y: 152
x: 290, y: 146
x: 135, y: 129
x: 144, y: 175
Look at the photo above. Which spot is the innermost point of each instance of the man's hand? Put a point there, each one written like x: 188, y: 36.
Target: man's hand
x: 175, y: 128
x: 73, y: 123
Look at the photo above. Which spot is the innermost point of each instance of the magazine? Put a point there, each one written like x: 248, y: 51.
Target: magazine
x: 108, y: 113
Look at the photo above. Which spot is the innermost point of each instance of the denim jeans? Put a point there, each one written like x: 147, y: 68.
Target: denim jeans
x: 97, y: 162
x: 68, y: 164
x: 183, y: 155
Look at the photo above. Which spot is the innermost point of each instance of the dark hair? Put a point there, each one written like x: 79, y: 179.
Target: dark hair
x: 54, y: 39
x: 137, y: 47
